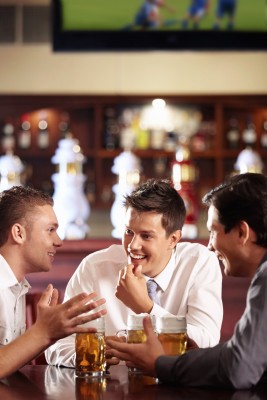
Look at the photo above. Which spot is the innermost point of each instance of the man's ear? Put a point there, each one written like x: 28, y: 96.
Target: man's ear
x: 174, y: 238
x: 243, y: 231
x: 18, y: 233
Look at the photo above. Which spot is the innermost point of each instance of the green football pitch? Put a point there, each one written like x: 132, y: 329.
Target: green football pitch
x: 118, y: 14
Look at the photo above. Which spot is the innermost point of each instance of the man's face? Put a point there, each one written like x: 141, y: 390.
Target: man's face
x: 42, y: 239
x: 145, y: 241
x: 225, y: 245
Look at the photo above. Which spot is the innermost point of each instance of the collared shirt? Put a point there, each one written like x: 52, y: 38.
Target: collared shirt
x: 190, y: 286
x: 12, y: 304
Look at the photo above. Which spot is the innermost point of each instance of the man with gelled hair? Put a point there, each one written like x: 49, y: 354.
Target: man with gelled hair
x: 237, y: 222
x: 186, y: 276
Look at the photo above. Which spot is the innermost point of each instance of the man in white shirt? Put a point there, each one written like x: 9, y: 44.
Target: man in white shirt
x: 188, y: 275
x: 28, y: 243
x: 237, y: 222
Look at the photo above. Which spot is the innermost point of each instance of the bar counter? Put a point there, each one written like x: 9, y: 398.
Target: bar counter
x: 41, y: 382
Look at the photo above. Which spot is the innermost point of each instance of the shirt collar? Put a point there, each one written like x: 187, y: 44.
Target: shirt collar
x: 164, y: 277
x: 8, y: 278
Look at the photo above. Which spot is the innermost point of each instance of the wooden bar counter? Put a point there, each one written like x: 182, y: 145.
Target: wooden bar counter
x: 42, y: 382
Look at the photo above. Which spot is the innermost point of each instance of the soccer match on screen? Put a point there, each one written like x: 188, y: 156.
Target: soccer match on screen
x: 134, y: 15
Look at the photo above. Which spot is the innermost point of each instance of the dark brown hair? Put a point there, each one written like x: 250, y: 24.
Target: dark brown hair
x: 158, y: 195
x: 242, y: 198
x: 16, y: 204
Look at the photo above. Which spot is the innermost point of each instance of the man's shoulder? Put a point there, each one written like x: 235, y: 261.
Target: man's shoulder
x: 193, y: 248
x: 262, y: 270
x: 196, y: 256
x: 113, y: 253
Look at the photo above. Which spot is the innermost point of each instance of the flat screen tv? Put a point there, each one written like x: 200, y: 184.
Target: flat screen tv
x: 138, y: 25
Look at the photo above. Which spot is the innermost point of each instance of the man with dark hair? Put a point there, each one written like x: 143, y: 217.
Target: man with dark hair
x: 186, y: 276
x: 28, y: 243
x: 237, y: 222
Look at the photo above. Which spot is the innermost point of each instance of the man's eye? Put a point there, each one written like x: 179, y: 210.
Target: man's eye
x: 146, y: 237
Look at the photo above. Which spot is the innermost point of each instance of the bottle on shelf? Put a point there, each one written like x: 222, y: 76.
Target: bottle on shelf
x: 63, y: 126
x: 43, y: 136
x: 233, y: 133
x: 249, y: 135
x: 24, y: 135
x: 8, y: 138
x: 111, y: 130
x: 264, y: 134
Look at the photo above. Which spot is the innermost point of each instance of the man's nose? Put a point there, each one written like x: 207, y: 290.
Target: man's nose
x: 135, y: 243
x: 210, y: 246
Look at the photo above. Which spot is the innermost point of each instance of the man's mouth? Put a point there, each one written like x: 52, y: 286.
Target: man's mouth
x: 137, y: 256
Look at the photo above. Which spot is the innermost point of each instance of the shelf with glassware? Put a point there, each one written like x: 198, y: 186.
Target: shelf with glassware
x: 107, y: 125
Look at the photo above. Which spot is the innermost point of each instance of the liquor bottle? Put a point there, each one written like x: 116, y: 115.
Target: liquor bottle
x: 8, y: 138
x: 249, y: 135
x: 264, y: 134
x: 63, y: 126
x: 111, y: 129
x: 233, y: 134
x: 43, y: 133
x: 24, y: 135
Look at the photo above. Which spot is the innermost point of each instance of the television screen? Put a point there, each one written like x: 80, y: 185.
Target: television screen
x: 159, y: 25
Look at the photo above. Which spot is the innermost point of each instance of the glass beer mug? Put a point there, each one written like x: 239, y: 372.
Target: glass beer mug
x: 90, y: 350
x: 135, y: 333
x: 172, y: 334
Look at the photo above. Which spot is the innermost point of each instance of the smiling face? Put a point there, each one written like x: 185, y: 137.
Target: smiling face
x: 146, y: 243
x: 228, y: 247
x: 41, y: 239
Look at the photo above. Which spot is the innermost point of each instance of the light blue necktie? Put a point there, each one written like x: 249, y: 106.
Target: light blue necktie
x: 152, y: 290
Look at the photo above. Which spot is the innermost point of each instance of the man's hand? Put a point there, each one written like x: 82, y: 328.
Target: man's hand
x: 132, y: 290
x: 140, y: 355
x: 59, y: 320
x: 109, y: 357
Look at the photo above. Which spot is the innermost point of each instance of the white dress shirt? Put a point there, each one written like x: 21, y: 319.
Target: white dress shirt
x: 12, y: 304
x: 190, y: 286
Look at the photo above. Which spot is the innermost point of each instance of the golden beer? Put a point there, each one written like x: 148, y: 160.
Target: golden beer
x: 173, y: 343
x: 90, y: 354
x: 136, y: 336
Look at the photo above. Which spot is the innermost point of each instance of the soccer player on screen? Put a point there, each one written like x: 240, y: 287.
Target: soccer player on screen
x: 148, y: 16
x: 225, y: 7
x: 196, y: 11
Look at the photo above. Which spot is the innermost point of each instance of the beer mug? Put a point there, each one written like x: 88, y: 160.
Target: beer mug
x: 135, y: 333
x: 172, y: 334
x: 135, y: 329
x: 90, y: 350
